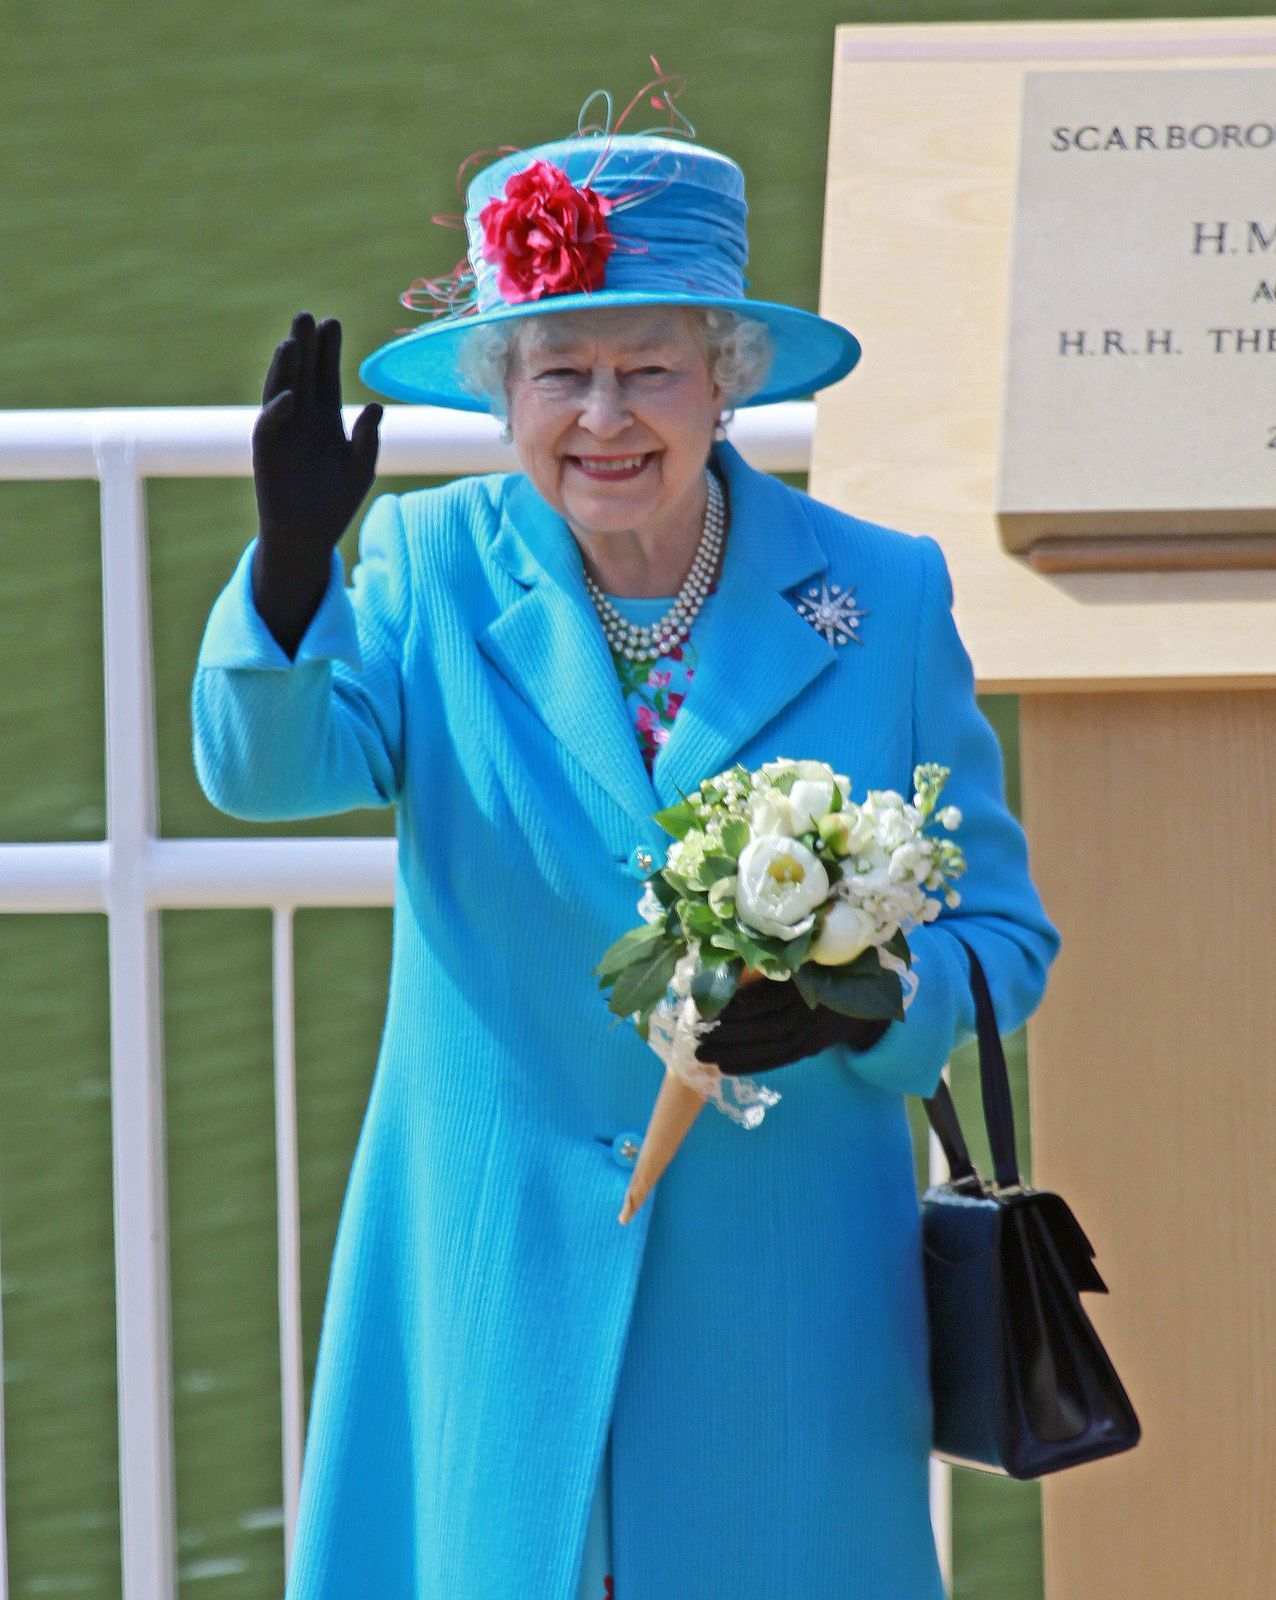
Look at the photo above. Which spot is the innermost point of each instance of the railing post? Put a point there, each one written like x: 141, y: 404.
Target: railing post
x: 941, y: 1473
x: 292, y: 1398
x: 143, y: 1343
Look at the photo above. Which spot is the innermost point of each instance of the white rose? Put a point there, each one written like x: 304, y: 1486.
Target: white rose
x: 802, y: 769
x: 811, y: 794
x: 847, y: 931
x: 814, y: 770
x: 810, y: 799
x: 779, y: 882
x: 769, y: 812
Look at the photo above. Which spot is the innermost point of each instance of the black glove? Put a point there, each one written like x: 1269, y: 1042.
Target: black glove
x: 768, y: 1024
x: 309, y: 477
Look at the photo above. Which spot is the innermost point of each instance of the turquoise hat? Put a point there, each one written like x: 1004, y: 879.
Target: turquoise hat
x: 588, y: 222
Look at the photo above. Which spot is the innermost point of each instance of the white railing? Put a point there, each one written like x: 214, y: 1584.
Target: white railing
x: 132, y: 876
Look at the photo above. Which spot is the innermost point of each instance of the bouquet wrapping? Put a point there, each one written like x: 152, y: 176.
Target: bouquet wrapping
x: 774, y: 873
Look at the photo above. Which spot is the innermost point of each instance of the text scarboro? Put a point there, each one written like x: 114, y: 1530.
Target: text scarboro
x: 1089, y: 137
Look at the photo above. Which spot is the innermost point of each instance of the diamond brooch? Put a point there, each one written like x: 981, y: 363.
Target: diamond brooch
x: 832, y: 612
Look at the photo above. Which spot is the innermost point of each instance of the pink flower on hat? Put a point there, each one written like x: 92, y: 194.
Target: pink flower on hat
x: 546, y: 236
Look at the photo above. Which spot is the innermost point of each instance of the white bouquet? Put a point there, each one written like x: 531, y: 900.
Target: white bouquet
x: 774, y: 874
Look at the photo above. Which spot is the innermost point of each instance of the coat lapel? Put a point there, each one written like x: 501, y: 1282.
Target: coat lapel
x: 551, y: 647
x: 756, y: 653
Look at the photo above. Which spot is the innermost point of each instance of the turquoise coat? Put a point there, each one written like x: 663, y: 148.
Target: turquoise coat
x: 756, y: 1336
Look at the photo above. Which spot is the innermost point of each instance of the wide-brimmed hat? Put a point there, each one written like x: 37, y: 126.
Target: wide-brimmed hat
x: 591, y: 222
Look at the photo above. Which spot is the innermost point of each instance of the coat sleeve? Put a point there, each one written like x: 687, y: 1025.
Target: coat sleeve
x: 1000, y: 915
x: 277, y: 739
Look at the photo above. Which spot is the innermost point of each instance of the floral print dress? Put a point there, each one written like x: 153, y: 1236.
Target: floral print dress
x: 653, y: 690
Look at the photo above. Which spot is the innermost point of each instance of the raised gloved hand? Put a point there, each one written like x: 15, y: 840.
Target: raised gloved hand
x: 308, y: 476
x: 768, y: 1024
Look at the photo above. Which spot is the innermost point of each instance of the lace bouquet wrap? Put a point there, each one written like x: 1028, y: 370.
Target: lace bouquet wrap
x: 773, y: 874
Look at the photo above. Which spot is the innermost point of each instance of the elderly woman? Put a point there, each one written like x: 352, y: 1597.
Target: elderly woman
x: 516, y: 1397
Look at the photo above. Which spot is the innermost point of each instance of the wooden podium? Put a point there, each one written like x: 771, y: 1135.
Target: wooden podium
x: 1148, y: 748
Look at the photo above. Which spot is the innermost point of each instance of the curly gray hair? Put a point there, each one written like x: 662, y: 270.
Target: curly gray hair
x: 738, y: 350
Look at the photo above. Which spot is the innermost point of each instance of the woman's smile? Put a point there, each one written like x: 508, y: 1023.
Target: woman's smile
x: 612, y: 468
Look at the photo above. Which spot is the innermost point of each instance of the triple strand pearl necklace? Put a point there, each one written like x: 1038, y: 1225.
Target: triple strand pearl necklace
x: 659, y: 637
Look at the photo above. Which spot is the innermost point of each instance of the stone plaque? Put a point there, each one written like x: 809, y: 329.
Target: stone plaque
x: 1139, y: 394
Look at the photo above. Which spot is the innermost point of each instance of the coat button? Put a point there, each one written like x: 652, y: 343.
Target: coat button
x: 644, y: 859
x: 624, y: 1147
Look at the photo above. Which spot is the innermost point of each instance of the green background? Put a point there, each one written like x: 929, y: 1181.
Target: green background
x: 178, y: 180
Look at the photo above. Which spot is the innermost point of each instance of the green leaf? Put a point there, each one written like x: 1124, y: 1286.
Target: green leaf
x: 897, y: 944
x: 835, y: 804
x: 676, y: 820
x: 712, y: 987
x: 865, y: 965
x: 715, y: 866
x: 684, y: 888
x: 698, y: 920
x: 735, y: 835
x: 795, y: 949
x: 628, y: 948
x: 643, y: 983
x: 663, y: 890
x: 763, y: 954
x: 877, y: 995
x: 753, y: 952
x: 751, y: 948
x: 868, y: 962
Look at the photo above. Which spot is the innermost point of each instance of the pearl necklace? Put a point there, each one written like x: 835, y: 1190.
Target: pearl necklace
x: 658, y: 638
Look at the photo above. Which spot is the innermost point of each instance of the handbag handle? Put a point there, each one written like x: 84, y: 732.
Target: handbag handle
x: 994, y: 1080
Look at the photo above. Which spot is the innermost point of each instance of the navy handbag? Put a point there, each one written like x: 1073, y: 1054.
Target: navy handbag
x: 1020, y: 1382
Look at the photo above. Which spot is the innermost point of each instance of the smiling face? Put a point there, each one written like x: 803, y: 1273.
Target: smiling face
x: 612, y: 414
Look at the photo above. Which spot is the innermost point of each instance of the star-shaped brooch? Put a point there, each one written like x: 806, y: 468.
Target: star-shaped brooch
x: 832, y: 612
